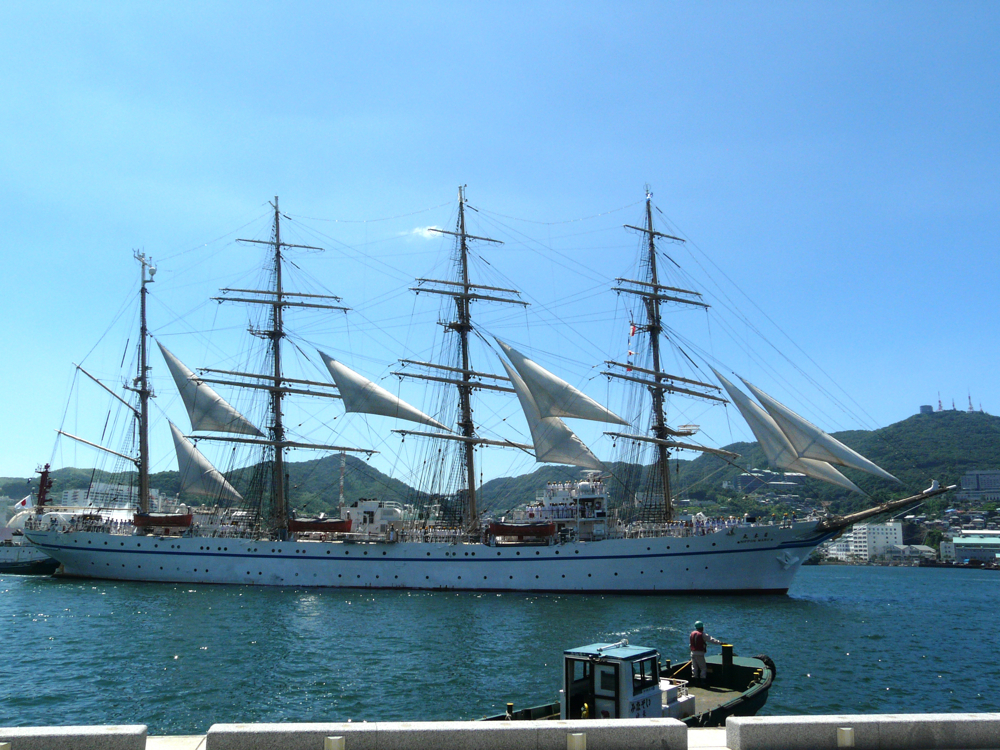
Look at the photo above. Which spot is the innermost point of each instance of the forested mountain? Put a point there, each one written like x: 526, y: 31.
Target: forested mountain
x: 942, y: 445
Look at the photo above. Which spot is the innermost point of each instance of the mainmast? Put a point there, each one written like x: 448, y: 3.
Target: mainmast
x: 658, y: 382
x: 464, y: 292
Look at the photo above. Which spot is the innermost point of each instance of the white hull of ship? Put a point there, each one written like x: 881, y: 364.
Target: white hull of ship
x: 761, y: 559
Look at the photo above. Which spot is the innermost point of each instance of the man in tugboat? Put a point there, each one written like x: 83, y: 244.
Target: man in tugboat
x: 699, y: 641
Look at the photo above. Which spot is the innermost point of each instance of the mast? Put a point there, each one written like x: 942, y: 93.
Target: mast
x: 278, y: 299
x: 654, y: 326
x: 279, y: 502
x: 142, y: 385
x: 652, y: 293
x: 464, y: 292
x: 463, y: 325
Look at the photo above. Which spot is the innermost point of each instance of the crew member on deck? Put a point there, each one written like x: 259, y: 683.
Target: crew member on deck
x: 699, y: 641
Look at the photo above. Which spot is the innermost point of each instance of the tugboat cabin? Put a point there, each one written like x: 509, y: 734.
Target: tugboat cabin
x: 616, y: 681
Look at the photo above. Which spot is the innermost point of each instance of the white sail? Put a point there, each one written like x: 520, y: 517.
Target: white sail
x: 554, y: 442
x: 553, y: 396
x: 198, y: 476
x: 810, y: 441
x: 776, y: 446
x: 208, y: 411
x: 363, y: 396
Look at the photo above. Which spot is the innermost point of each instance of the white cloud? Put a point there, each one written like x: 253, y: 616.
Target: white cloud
x: 423, y: 232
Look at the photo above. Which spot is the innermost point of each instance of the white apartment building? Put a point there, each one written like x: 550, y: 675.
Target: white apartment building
x: 103, y: 495
x: 870, y: 541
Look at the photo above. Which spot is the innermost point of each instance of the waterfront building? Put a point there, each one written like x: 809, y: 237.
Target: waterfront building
x: 977, y: 545
x: 840, y: 549
x: 912, y: 552
x: 870, y: 541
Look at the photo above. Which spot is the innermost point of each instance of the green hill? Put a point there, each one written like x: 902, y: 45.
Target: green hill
x: 942, y: 445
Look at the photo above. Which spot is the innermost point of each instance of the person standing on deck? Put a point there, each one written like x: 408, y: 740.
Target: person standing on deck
x: 699, y: 642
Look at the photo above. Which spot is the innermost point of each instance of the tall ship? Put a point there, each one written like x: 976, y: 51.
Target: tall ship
x: 615, y: 529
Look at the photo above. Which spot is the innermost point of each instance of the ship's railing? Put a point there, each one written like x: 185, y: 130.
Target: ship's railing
x: 688, y: 528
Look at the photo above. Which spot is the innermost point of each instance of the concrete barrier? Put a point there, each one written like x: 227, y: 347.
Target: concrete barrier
x: 871, y: 732
x: 132, y: 737
x: 602, y: 734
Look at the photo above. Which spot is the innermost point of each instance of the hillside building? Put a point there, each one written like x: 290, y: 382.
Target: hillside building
x: 762, y: 479
x: 980, y: 485
x: 103, y: 495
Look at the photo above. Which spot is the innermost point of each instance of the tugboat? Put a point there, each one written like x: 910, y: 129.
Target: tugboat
x: 617, y: 680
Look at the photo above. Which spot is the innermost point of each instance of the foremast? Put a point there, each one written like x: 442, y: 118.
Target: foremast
x: 658, y: 382
x: 464, y: 292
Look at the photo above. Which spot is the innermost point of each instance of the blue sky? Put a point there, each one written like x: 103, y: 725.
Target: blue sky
x: 835, y: 166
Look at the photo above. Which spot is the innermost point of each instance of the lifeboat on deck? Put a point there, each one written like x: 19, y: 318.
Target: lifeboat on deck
x: 320, y: 525
x: 522, y: 529
x: 162, y: 520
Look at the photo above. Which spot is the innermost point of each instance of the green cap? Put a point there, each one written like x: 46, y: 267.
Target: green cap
x: 699, y: 625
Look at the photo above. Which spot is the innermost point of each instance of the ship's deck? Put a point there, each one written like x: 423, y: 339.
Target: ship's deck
x: 710, y: 698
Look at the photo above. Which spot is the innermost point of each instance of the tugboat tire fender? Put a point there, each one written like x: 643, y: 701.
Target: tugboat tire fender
x: 768, y: 662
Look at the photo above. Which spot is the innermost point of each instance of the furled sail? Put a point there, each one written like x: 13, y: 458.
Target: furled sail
x: 553, y: 396
x: 553, y: 441
x: 810, y: 441
x: 209, y: 412
x: 363, y: 396
x: 776, y: 446
x: 198, y: 476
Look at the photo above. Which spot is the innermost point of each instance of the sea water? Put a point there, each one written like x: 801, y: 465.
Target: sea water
x: 180, y: 658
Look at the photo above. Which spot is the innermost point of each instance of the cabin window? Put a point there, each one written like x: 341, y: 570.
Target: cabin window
x: 644, y: 675
x: 581, y: 670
